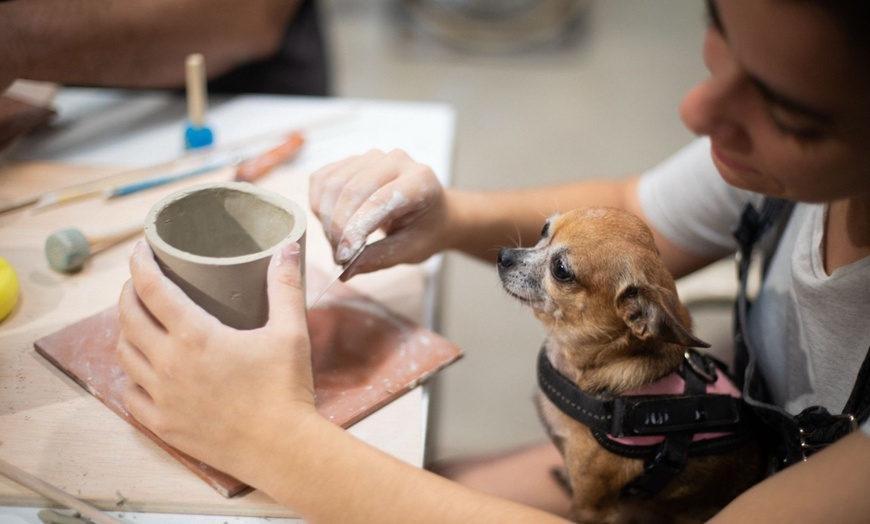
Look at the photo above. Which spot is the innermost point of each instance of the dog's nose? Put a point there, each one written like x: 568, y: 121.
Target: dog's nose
x: 505, y: 257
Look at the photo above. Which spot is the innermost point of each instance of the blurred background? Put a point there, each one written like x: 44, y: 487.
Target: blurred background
x: 545, y: 92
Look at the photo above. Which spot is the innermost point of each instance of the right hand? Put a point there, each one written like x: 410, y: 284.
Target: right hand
x: 389, y: 191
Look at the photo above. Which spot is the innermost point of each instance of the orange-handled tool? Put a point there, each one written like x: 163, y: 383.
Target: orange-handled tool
x: 252, y: 169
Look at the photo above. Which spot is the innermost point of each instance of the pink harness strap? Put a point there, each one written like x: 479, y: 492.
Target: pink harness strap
x: 674, y: 384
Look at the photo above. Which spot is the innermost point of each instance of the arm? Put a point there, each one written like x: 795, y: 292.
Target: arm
x: 251, y: 413
x: 133, y: 44
x: 830, y: 487
x: 359, y: 195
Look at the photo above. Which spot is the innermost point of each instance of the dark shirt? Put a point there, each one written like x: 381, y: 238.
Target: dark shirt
x: 299, y: 67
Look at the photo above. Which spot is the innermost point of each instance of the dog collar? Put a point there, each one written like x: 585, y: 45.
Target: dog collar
x: 661, y: 421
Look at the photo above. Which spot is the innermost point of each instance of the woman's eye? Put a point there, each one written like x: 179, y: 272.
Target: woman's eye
x: 801, y: 128
x: 800, y: 133
x: 561, y: 271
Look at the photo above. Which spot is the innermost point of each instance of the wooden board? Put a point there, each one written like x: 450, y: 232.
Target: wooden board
x: 52, y: 428
x: 364, y: 356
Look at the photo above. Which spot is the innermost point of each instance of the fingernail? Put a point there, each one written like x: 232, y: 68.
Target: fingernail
x: 345, y: 251
x: 289, y: 252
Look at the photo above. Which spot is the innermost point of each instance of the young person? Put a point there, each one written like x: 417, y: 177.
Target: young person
x: 785, y: 112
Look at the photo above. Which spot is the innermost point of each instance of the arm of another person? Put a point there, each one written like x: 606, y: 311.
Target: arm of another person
x: 356, y: 196
x: 251, y: 413
x: 120, y: 43
x: 830, y: 487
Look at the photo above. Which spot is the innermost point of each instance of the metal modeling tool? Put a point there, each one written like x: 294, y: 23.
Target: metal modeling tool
x: 335, y: 277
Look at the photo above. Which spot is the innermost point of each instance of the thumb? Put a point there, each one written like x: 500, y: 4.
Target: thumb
x: 285, y: 285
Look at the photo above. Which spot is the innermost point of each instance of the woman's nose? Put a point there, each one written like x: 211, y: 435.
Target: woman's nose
x: 718, y: 107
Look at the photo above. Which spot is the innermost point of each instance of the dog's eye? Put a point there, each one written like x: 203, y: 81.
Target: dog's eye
x: 560, y: 270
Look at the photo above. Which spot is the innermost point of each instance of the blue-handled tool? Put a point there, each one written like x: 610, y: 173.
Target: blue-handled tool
x: 141, y: 185
x: 197, y: 134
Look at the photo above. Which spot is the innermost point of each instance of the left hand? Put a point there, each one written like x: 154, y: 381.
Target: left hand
x: 212, y: 391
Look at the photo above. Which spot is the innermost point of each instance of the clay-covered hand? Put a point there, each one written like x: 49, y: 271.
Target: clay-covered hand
x: 388, y: 191
x: 214, y: 392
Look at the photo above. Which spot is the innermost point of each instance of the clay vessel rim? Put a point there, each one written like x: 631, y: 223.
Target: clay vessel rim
x: 280, y: 201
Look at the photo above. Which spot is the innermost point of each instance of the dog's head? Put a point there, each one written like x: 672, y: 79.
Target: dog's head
x: 595, y: 277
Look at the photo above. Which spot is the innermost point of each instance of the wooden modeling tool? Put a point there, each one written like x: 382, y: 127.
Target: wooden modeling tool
x: 252, y: 169
x: 67, y: 250
x: 55, y: 494
x: 197, y: 134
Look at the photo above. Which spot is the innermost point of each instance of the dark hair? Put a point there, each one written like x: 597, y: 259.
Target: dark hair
x: 853, y: 16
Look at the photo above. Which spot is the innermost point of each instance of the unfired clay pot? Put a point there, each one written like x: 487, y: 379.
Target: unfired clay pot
x: 215, y: 241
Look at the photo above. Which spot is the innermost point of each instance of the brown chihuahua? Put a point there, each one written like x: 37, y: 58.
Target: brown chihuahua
x: 650, y: 429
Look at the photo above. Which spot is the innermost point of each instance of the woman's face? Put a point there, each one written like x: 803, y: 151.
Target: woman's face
x: 786, y: 107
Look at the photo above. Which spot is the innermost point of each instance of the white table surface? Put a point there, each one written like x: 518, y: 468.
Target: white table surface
x: 98, y: 127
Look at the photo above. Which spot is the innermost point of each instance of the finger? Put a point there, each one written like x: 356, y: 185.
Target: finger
x: 135, y: 364
x: 137, y: 324
x: 388, y: 252
x: 364, y: 187
x: 329, y: 183
x: 165, y: 301
x: 138, y: 403
x: 285, y: 289
x: 393, y: 203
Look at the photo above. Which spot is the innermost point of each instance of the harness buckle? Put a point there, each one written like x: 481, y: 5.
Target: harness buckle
x: 703, y: 367
x: 806, y: 436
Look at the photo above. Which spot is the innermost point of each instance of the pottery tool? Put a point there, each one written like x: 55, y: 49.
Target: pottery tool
x: 340, y: 271
x: 193, y: 158
x: 197, y: 134
x: 55, y: 494
x: 68, y: 249
x: 252, y: 169
x: 135, y: 187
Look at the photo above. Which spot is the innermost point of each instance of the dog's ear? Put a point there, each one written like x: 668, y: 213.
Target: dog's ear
x: 653, y: 312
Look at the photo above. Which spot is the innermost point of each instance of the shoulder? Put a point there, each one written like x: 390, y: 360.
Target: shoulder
x: 686, y: 200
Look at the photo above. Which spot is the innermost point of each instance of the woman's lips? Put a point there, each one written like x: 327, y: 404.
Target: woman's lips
x: 730, y: 163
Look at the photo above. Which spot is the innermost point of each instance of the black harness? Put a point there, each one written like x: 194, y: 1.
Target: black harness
x: 790, y: 438
x: 675, y: 417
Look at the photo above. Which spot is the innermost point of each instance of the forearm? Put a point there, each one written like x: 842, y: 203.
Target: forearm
x: 483, y: 222
x: 133, y: 44
x: 330, y: 476
x: 830, y: 487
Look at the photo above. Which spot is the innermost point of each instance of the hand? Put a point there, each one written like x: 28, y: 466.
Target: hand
x: 357, y: 196
x: 214, y: 392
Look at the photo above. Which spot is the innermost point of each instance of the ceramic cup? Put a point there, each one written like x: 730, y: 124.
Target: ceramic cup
x: 215, y: 242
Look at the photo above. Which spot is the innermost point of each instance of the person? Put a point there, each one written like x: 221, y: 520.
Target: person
x: 272, y: 46
x: 784, y: 112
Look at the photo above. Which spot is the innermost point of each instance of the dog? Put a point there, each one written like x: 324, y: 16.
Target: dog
x: 614, y: 329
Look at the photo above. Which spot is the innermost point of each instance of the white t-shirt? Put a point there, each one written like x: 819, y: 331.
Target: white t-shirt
x: 811, y: 329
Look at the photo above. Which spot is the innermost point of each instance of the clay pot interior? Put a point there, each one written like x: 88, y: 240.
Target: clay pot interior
x: 226, y: 223
x: 215, y: 242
